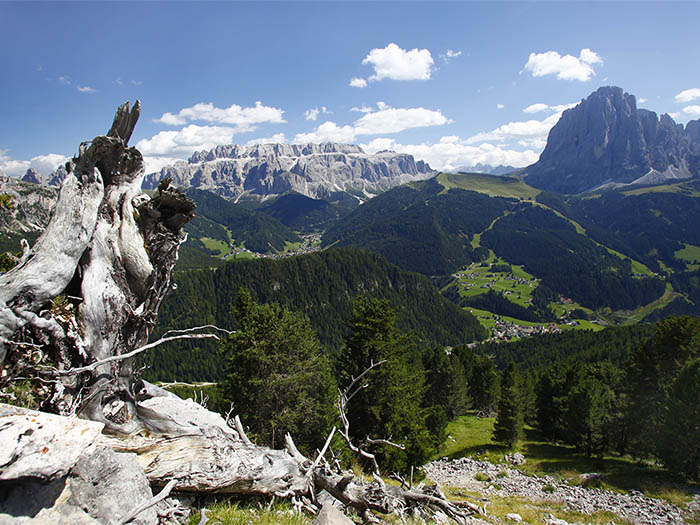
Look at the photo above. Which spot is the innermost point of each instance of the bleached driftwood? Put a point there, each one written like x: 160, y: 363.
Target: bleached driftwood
x: 76, y: 311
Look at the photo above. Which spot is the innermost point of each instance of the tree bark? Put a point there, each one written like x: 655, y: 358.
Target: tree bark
x: 76, y: 311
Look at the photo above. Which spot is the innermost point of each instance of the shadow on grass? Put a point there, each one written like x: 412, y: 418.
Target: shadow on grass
x: 478, y: 450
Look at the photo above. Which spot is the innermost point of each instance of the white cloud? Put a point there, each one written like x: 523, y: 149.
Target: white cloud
x: 539, y: 107
x: 536, y: 108
x: 86, y: 89
x: 449, y: 55
x: 384, y: 120
x: 186, y: 141
x: 676, y: 115
x: 362, y: 109
x: 395, y: 63
x: 244, y: 119
x: 118, y: 81
x: 137, y: 82
x: 358, y: 82
x: 693, y: 111
x: 277, y: 138
x: 500, y: 106
x: 312, y: 114
x: 642, y: 100
x: 451, y: 154
x: 44, y: 164
x: 327, y: 132
x: 394, y: 120
x: 688, y: 95
x: 529, y: 134
x: 154, y: 164
x: 565, y: 67
x: 64, y: 80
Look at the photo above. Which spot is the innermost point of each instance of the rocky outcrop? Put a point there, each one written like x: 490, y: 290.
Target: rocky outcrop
x: 607, y: 140
x: 504, y: 481
x: 32, y: 176
x: 57, y: 177
x: 314, y: 170
x: 28, y: 207
x: 52, y: 470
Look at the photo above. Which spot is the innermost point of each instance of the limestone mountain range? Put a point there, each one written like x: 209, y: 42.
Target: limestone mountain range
x: 314, y: 170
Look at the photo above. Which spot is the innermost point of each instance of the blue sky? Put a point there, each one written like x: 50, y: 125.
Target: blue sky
x: 447, y: 82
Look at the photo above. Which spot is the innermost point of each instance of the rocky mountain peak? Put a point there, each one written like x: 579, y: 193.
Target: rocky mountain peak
x: 606, y: 139
x: 32, y: 176
x: 314, y: 170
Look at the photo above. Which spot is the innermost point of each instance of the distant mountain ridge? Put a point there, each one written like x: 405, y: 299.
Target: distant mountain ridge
x: 606, y: 141
x: 315, y: 170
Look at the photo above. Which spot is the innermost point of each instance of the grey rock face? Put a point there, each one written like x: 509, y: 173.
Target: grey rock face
x: 315, y: 170
x: 57, y: 177
x: 32, y: 176
x: 30, y: 208
x: 606, y: 139
x: 329, y: 515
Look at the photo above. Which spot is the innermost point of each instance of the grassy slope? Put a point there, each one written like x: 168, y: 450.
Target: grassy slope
x: 513, y: 187
x: 470, y: 436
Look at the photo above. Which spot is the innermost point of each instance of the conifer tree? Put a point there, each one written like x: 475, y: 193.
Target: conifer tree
x: 392, y: 403
x: 276, y: 376
x: 508, y: 428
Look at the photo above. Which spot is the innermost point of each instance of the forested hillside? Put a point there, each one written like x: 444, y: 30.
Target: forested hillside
x: 421, y: 227
x: 322, y: 285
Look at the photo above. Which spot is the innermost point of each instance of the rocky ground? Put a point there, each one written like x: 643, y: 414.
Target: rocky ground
x: 504, y: 480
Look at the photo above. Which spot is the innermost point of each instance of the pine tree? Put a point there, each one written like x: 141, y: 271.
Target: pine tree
x: 276, y: 375
x: 391, y: 404
x: 680, y: 444
x: 508, y: 428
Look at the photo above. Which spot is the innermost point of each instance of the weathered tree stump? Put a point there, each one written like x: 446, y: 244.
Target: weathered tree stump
x: 80, y: 306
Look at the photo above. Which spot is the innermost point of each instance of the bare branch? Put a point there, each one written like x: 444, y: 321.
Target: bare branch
x: 322, y: 453
x: 387, y: 442
x: 241, y: 432
x: 133, y: 353
x: 153, y: 501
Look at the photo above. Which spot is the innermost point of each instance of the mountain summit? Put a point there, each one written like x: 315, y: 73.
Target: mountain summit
x: 314, y: 170
x: 607, y: 140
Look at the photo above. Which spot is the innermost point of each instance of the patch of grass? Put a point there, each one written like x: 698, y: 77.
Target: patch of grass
x: 539, y: 511
x: 216, y: 245
x: 689, y: 253
x: 481, y: 476
x: 493, y: 185
x: 244, y: 513
x: 471, y: 436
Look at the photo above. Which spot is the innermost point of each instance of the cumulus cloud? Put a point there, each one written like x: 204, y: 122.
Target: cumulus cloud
x: 374, y: 122
x: 395, y: 63
x: 642, y: 100
x: 567, y: 67
x: 451, y: 153
x: 394, y: 120
x: 362, y: 109
x: 529, y: 133
x: 64, y: 80
x: 154, y: 164
x: 449, y: 55
x: 86, y: 89
x: 327, y: 132
x: 186, y: 141
x: 688, y: 95
x: 499, y: 106
x: 540, y: 107
x: 358, y: 82
x: 693, y: 111
x: 312, y: 114
x: 244, y: 119
x: 44, y: 164
x: 277, y: 138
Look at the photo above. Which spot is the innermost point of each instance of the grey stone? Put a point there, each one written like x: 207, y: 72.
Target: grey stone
x: 314, y: 170
x: 606, y: 139
x: 513, y: 516
x: 329, y: 515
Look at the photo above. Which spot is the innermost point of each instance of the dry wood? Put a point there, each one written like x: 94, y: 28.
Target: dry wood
x: 80, y: 306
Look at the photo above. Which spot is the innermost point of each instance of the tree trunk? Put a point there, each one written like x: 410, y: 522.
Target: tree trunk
x: 82, y: 303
